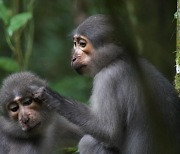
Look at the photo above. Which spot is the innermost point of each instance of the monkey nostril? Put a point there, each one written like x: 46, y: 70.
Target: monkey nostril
x: 26, y: 120
x: 74, y: 59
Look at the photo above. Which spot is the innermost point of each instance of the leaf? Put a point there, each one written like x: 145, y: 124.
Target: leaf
x: 71, y: 150
x: 4, y: 13
x: 8, y: 64
x: 18, y: 21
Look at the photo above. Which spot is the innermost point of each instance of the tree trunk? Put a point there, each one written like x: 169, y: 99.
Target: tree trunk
x: 177, y: 77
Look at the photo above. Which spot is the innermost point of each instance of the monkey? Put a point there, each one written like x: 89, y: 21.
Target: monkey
x: 133, y: 108
x: 28, y: 127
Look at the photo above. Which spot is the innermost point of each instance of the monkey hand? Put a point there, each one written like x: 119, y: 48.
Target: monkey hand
x: 38, y: 94
x: 48, y: 97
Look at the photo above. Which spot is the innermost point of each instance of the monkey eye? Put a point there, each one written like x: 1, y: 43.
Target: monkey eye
x: 13, y: 107
x: 27, y: 101
x: 82, y: 43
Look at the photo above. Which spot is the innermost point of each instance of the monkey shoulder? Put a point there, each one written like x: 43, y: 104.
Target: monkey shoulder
x: 118, y: 75
x: 114, y: 82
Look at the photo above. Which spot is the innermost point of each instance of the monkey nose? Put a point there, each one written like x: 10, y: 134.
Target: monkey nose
x: 25, y: 120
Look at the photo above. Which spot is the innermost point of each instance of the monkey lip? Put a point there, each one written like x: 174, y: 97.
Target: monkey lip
x: 29, y: 128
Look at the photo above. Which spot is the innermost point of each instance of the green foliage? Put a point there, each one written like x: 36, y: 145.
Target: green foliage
x: 18, y: 31
x: 8, y: 64
x: 13, y: 22
x: 71, y: 150
x: 18, y: 21
x: 4, y: 13
x: 74, y: 87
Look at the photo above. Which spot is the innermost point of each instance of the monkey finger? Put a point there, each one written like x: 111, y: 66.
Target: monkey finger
x: 38, y: 94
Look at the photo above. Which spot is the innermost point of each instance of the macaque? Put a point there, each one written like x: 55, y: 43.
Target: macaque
x: 26, y: 125
x: 133, y: 108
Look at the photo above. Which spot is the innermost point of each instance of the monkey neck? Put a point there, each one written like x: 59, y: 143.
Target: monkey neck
x: 105, y: 56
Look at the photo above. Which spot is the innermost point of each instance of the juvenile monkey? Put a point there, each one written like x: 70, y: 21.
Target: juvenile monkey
x: 133, y: 108
x: 28, y: 127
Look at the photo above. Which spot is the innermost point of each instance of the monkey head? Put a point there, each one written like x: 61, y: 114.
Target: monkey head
x: 22, y: 114
x: 82, y: 53
x: 94, y: 45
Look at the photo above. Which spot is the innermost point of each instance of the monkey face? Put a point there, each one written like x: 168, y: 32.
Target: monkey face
x: 82, y: 54
x: 26, y: 112
x: 22, y: 114
x: 25, y: 117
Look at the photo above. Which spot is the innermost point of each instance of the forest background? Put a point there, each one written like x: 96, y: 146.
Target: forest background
x: 35, y: 36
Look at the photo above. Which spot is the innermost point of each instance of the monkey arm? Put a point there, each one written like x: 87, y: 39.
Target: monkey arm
x: 68, y: 108
x: 76, y: 112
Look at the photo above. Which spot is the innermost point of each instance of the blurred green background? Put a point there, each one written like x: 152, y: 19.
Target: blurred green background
x: 35, y: 36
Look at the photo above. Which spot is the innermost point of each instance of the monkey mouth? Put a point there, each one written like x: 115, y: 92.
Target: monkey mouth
x: 28, y: 128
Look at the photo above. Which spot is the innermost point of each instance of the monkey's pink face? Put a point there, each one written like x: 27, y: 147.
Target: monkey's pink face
x: 26, y: 112
x: 82, y: 54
